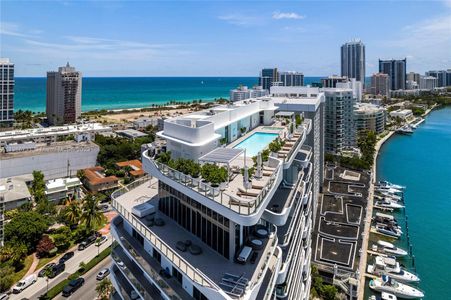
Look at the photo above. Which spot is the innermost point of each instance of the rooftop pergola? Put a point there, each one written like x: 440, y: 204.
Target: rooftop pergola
x: 222, y: 156
x: 285, y: 114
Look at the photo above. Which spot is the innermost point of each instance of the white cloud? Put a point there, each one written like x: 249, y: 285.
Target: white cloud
x: 241, y: 19
x: 12, y: 29
x: 277, y: 15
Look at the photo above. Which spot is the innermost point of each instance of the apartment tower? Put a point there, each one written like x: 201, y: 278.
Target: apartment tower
x: 396, y: 71
x: 353, y: 60
x: 63, y: 96
x: 6, y: 92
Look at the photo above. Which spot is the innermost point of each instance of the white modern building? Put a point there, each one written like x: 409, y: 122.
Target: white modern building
x: 179, y: 237
x: 14, y: 191
x: 56, y: 160
x: 428, y: 82
x: 291, y: 78
x: 243, y: 92
x: 369, y: 117
x: 62, y: 188
x: 52, y: 134
x: 63, y: 96
x: 6, y: 91
x: 404, y: 114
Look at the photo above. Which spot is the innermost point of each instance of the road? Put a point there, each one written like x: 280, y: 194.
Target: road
x: 88, y: 290
x: 72, y: 265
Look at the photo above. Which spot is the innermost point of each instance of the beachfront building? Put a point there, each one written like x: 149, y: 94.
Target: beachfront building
x: 55, y: 160
x: 291, y: 78
x: 331, y: 81
x: 353, y: 60
x: 179, y: 237
x: 6, y: 92
x: 243, y: 92
x: 61, y: 189
x: 268, y: 77
x: 339, y: 131
x: 63, y: 96
x: 396, y: 71
x: 53, y: 134
x: 404, y: 114
x: 369, y: 117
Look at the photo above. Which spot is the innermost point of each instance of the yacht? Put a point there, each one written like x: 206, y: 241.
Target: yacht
x: 389, y: 190
x: 385, y: 219
x: 387, y: 184
x: 389, y: 266
x: 384, y: 296
x: 390, y: 285
x: 388, y: 230
x: 389, y: 248
x: 388, y: 204
x: 406, y: 129
x: 391, y: 196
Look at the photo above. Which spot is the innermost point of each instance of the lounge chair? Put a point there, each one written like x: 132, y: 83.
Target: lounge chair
x: 241, y: 201
x: 266, y: 168
x: 249, y: 192
x: 258, y: 185
x: 267, y: 173
x: 283, y: 152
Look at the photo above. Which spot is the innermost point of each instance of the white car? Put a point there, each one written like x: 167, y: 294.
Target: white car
x: 4, y: 297
x: 102, y: 240
x: 24, y: 283
x: 103, y: 273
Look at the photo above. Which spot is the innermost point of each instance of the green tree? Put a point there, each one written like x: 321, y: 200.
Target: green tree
x: 72, y: 212
x: 6, y: 278
x: 91, y: 216
x: 38, y: 186
x: 104, y: 289
x: 26, y: 227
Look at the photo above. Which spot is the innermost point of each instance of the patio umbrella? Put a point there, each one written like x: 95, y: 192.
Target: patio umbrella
x: 259, y: 165
x: 246, y: 177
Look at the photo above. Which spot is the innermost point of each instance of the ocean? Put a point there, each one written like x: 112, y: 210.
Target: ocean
x: 132, y: 92
x: 422, y: 162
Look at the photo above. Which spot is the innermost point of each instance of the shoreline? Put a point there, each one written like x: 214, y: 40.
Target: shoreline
x: 369, y: 214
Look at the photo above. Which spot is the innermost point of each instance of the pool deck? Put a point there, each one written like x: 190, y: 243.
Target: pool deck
x: 263, y: 129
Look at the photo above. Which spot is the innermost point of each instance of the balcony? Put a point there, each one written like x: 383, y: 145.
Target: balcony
x: 230, y: 198
x: 120, y: 283
x: 206, y: 270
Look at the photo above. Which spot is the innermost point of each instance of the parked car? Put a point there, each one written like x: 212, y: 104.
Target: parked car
x: 102, y: 240
x: 87, y: 242
x: 4, y: 296
x: 66, y: 257
x: 24, y: 283
x: 43, y: 270
x: 72, y: 286
x: 56, y: 270
x: 103, y: 273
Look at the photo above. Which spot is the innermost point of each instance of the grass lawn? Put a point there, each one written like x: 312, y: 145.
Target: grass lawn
x: 27, y: 264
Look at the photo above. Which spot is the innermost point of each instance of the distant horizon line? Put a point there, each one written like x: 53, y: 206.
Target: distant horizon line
x: 163, y: 76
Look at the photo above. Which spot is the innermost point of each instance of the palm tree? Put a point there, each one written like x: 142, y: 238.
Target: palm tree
x: 73, y: 211
x: 104, y: 289
x: 91, y: 215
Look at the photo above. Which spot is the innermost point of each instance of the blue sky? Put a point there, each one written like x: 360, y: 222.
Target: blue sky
x: 213, y: 38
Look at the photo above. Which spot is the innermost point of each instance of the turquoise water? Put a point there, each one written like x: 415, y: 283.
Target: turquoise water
x: 132, y: 92
x: 422, y: 162
x: 256, y: 142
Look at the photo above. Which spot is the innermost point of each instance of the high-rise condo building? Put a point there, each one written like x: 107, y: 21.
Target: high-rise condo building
x: 441, y: 77
x: 339, y: 131
x: 396, y: 70
x: 6, y: 92
x: 268, y: 77
x: 353, y: 60
x: 63, y: 96
x: 331, y: 81
x: 291, y: 78
x: 412, y: 76
x: 428, y: 82
x: 380, y: 85
x: 222, y: 232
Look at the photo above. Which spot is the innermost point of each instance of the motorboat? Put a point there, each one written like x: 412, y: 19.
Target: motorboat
x: 385, y: 218
x: 390, y: 285
x: 388, y: 190
x: 387, y: 184
x: 389, y: 266
x: 391, y: 196
x: 406, y: 129
x: 384, y: 296
x: 388, y: 204
x: 389, y: 248
x: 388, y: 230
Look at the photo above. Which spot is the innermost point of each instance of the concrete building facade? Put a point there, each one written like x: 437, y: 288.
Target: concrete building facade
x: 291, y: 78
x: 369, y: 117
x: 268, y: 77
x: 396, y: 70
x: 428, y: 82
x: 380, y: 85
x: 441, y: 76
x: 353, y: 60
x: 63, y: 96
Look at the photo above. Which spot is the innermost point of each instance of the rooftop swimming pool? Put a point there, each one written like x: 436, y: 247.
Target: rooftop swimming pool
x: 256, y: 142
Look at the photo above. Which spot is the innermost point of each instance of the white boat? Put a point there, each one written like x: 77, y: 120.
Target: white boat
x: 389, y: 248
x: 391, y: 196
x: 406, y: 129
x: 383, y: 183
x: 388, y: 190
x: 388, y: 204
x: 400, y: 290
x: 388, y: 230
x: 389, y: 266
x: 384, y: 296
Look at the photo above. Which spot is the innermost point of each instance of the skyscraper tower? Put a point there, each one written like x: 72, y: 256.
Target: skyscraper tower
x: 63, y: 96
x: 353, y: 60
x: 396, y: 70
x: 6, y: 91
x: 267, y: 77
